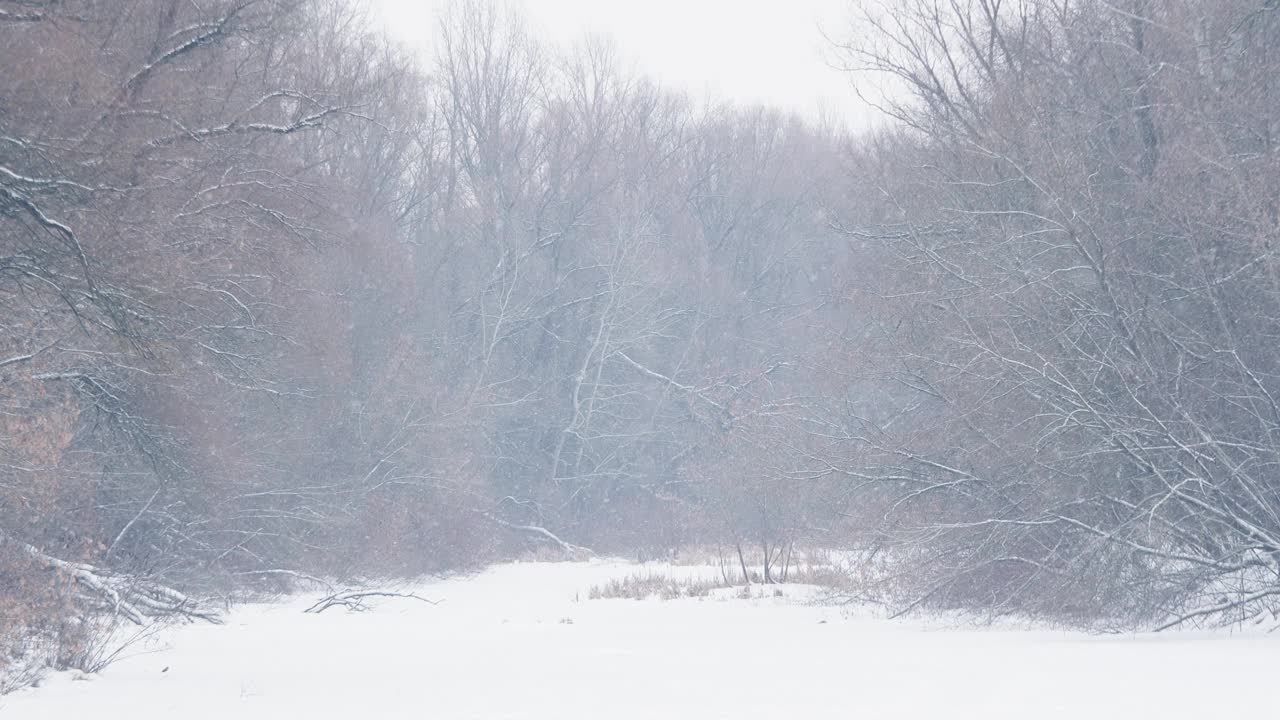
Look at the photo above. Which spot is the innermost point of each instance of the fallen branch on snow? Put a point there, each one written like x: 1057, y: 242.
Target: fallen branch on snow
x: 567, y: 547
x: 134, y: 599
x: 354, y: 600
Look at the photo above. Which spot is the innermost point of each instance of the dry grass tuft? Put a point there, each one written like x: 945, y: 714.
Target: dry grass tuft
x: 643, y: 586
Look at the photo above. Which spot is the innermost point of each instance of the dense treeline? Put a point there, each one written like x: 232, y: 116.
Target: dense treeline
x: 278, y: 300
x: 179, y: 186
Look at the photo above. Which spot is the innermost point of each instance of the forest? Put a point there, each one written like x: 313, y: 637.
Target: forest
x: 280, y: 299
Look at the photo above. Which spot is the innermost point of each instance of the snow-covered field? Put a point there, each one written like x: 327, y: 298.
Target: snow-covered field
x: 523, y: 641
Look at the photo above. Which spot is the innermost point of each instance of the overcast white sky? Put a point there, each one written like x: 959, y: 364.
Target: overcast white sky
x: 768, y: 51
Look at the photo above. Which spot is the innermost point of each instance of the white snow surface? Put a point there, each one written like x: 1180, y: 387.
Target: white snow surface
x: 524, y: 641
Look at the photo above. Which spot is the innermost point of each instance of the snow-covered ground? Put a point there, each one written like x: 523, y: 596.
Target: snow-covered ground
x: 524, y: 641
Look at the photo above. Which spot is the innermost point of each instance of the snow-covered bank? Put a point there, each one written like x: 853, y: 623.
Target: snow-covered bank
x: 523, y: 641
